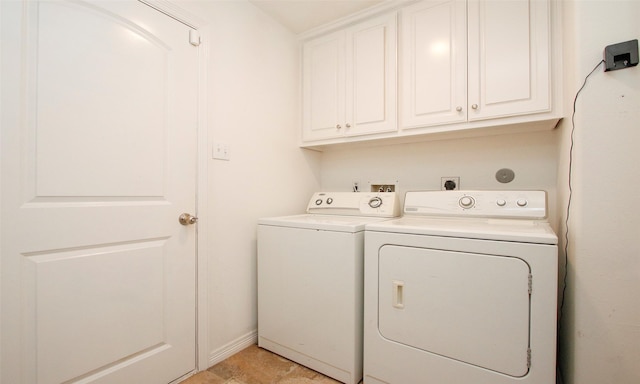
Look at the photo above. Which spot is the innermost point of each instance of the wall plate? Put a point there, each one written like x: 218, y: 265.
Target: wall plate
x: 505, y: 175
x: 450, y: 183
x: 621, y: 55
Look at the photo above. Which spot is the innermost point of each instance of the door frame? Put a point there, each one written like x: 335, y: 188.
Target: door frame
x: 202, y: 194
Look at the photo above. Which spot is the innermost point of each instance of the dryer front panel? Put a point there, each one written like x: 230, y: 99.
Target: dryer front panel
x: 473, y: 308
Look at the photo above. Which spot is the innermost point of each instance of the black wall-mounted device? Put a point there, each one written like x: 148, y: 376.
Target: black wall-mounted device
x: 621, y: 55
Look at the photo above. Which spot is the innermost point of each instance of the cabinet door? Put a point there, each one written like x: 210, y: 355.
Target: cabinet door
x: 323, y: 87
x: 509, y: 70
x: 433, y: 63
x: 371, y: 76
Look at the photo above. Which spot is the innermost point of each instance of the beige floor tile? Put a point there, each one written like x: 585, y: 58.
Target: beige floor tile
x: 303, y: 375
x: 205, y: 378
x: 233, y: 381
x: 255, y: 365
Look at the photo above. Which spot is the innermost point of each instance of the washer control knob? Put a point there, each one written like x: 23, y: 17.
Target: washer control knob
x: 466, y: 201
x: 375, y: 202
x: 329, y: 200
x: 501, y: 202
x: 522, y: 202
x: 319, y: 201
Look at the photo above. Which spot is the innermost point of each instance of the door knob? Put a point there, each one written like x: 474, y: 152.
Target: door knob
x: 187, y: 219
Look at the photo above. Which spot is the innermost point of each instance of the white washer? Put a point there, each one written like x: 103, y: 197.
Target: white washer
x: 462, y: 289
x: 310, y: 281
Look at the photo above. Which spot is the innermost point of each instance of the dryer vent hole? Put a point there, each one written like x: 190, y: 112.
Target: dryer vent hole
x: 505, y: 175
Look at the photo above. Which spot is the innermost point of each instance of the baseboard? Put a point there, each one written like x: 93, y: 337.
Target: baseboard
x: 233, y: 347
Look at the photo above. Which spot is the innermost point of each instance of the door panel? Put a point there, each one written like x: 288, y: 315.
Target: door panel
x: 108, y: 101
x: 89, y: 286
x: 369, y: 80
x: 468, y: 307
x: 371, y: 76
x: 506, y: 26
x: 99, y: 134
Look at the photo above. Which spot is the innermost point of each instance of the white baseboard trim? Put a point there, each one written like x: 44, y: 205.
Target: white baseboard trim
x: 233, y: 347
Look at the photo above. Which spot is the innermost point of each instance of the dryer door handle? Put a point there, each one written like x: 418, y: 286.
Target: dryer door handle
x: 398, y: 294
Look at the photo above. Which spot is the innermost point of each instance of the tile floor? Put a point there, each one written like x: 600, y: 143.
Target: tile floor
x: 255, y: 365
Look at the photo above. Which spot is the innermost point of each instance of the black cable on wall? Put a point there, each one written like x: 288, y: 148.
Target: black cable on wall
x: 560, y: 376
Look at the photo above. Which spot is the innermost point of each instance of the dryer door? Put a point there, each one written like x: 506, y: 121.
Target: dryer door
x: 473, y: 308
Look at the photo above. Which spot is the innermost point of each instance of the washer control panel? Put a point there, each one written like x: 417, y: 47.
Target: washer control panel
x: 381, y: 204
x: 507, y: 204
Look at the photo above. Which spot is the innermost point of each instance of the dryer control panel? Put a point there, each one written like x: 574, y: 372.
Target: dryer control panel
x: 379, y: 204
x: 501, y: 204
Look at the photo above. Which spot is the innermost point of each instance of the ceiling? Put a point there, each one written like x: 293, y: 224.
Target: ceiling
x: 302, y: 15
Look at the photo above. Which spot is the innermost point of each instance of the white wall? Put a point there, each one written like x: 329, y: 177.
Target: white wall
x: 253, y: 106
x: 253, y: 99
x: 600, y: 340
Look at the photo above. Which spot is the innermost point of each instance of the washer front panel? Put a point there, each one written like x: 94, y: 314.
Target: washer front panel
x: 468, y: 307
x: 310, y: 283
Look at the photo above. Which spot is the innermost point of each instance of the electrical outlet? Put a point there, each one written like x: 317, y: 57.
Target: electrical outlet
x: 451, y: 183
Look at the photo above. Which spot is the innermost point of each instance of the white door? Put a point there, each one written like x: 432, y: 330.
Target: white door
x: 98, y: 161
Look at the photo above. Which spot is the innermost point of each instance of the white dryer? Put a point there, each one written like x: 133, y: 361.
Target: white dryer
x: 462, y: 289
x: 310, y: 281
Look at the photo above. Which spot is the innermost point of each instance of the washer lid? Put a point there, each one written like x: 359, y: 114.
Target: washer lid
x: 517, y: 230
x: 322, y: 222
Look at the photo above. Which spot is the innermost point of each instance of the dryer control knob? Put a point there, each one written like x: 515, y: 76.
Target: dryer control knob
x: 375, y: 202
x: 329, y: 200
x: 466, y: 201
x: 522, y: 202
x: 319, y: 201
x: 501, y: 202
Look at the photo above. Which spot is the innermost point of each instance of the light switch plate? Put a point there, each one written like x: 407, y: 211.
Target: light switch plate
x: 221, y: 151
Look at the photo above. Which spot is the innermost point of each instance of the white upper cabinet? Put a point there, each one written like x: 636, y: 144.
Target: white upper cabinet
x: 490, y: 66
x: 324, y: 87
x: 349, y: 81
x: 433, y: 63
x: 509, y: 52
x: 473, y: 60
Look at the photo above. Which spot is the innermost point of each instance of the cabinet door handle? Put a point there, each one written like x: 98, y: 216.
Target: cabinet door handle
x: 338, y: 126
x: 474, y: 106
x: 459, y: 109
x: 348, y: 125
